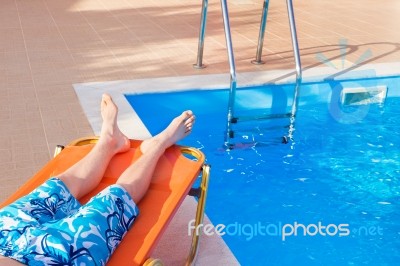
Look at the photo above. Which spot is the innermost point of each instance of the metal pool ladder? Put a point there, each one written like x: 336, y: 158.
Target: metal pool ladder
x: 231, y: 119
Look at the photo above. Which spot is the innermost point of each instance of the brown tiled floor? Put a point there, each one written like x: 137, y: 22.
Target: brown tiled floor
x: 48, y: 45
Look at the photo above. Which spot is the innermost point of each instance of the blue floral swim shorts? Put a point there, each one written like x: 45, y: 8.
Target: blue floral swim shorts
x: 50, y: 227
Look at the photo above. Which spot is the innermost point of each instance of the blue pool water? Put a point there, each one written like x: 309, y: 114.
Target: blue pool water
x: 341, y: 171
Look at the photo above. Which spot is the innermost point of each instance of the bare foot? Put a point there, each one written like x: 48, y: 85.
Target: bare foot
x: 179, y: 128
x: 110, y: 132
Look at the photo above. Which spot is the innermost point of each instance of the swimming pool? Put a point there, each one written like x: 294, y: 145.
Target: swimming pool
x: 337, y: 182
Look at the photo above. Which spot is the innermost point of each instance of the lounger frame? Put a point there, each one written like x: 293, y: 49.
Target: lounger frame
x: 200, y: 193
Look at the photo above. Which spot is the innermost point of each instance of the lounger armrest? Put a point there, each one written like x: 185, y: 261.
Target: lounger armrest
x: 201, y: 205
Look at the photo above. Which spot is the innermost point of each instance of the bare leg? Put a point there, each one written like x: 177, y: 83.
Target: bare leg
x: 136, y: 178
x: 86, y: 174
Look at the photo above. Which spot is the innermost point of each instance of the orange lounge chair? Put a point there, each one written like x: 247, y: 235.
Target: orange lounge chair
x: 173, y: 179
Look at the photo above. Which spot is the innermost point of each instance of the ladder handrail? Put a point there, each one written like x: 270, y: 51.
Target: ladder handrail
x: 289, y: 3
x: 202, y: 32
x: 293, y: 32
x: 232, y: 71
x: 232, y: 68
x: 297, y: 60
x: 261, y: 34
x: 295, y: 43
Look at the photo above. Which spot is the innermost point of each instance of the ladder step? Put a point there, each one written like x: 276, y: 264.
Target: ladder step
x: 260, y: 117
x: 273, y: 141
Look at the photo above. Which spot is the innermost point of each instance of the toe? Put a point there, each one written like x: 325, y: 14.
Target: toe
x: 107, y: 99
x: 190, y: 120
x: 189, y: 124
x: 187, y: 114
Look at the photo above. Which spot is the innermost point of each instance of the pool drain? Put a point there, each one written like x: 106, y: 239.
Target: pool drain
x: 363, y: 95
